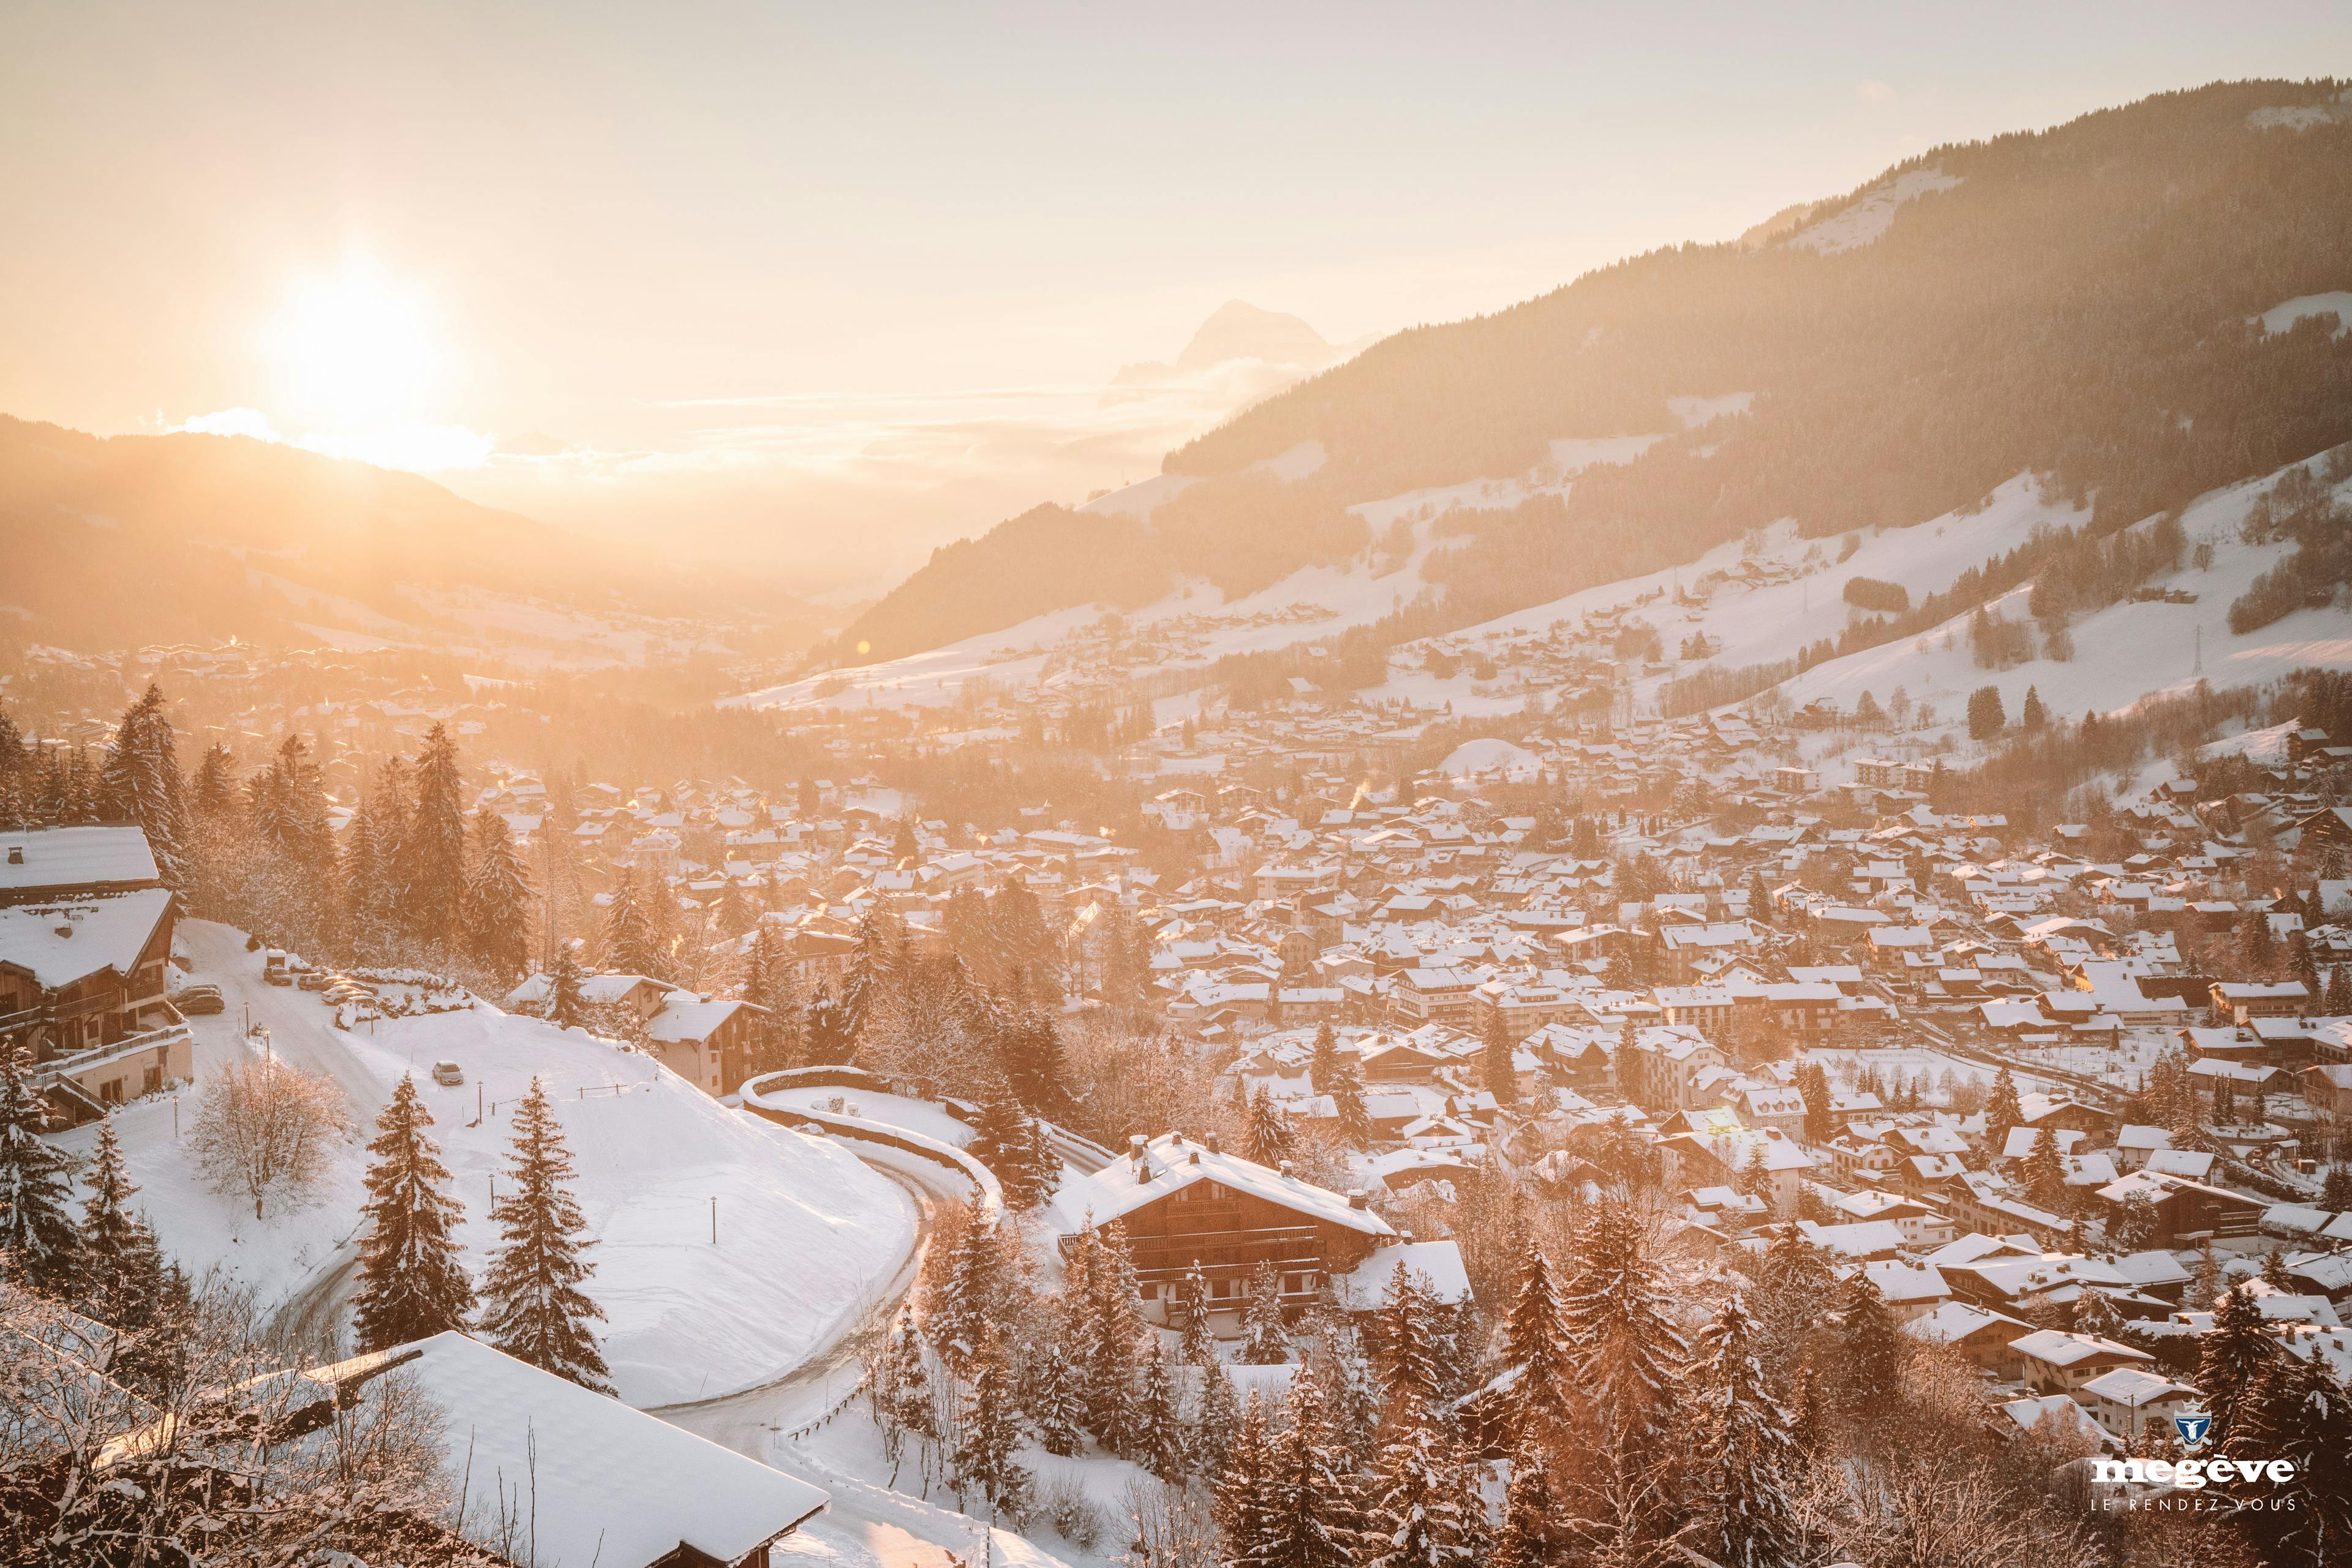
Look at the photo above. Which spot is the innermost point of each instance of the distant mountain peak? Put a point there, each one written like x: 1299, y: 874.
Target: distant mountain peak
x: 1239, y: 330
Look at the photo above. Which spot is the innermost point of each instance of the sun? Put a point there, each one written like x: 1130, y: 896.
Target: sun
x: 356, y: 349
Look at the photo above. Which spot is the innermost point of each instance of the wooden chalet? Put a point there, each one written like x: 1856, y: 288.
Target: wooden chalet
x: 1183, y: 1202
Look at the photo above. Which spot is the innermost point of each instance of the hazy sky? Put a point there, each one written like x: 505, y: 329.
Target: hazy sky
x: 839, y: 281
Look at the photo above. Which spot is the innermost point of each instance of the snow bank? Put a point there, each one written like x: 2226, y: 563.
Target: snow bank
x: 2282, y: 318
x: 805, y: 1230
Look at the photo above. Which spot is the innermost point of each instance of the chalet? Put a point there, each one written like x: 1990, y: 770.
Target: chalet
x: 1183, y: 1204
x: 2328, y: 1091
x: 1435, y: 995
x: 2056, y: 1362
x: 1984, y: 1336
x: 2242, y: 1001
x: 2186, y: 1210
x: 2131, y: 1402
x: 708, y: 1043
x: 83, y: 952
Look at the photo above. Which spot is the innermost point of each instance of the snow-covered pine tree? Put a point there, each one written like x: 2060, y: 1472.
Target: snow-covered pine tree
x: 1309, y: 1523
x: 1010, y: 1143
x: 431, y: 869
x: 140, y: 783
x: 1267, y: 1138
x: 1056, y: 1402
x: 1265, y: 1339
x: 1348, y: 1102
x: 1163, y: 1445
x: 498, y: 900
x: 411, y: 1285
x: 986, y: 1459
x: 1031, y: 1052
x: 870, y: 965
x: 1497, y: 1073
x: 532, y: 1306
x: 2298, y: 1411
x: 39, y: 1245
x: 1323, y: 1064
x: 566, y: 1002
x: 123, y: 1277
x: 1869, y: 1352
x: 2003, y: 1111
x: 1198, y: 1346
x: 2044, y: 1170
x: 1217, y: 1420
x: 767, y: 986
x: 908, y: 1379
x: 968, y: 1293
x: 1809, y: 1425
x: 1536, y: 1346
x: 1743, y: 1445
x: 633, y: 940
x: 1530, y: 1526
x: 1625, y: 1348
x: 1244, y: 1497
x: 2231, y: 1356
x: 1415, y: 1519
x: 1115, y: 1332
x: 1406, y: 1352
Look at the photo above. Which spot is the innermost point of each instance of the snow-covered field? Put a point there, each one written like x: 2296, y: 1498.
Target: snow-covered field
x: 806, y: 1231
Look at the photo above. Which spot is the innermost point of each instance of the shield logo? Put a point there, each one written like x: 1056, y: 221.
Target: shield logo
x: 2193, y: 1429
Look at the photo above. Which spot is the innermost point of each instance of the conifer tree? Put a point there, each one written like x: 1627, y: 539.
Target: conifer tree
x: 1870, y: 1355
x: 1219, y: 1422
x: 2044, y: 1170
x: 432, y: 857
x: 1268, y: 1138
x: 633, y: 941
x: 2003, y: 1111
x: 1057, y: 1403
x: 1160, y: 1427
x: 1355, y: 1115
x: 1266, y: 1341
x: 1808, y: 1427
x: 1407, y: 1353
x: 532, y: 1306
x: 1496, y: 1074
x: 2231, y: 1357
x: 985, y: 1460
x: 1622, y: 1342
x: 1535, y: 1342
x: 124, y: 1283
x: 140, y: 781
x: 908, y: 1378
x: 1244, y: 1497
x: 1744, y: 1446
x: 2298, y: 1411
x: 1416, y: 1518
x: 39, y: 1245
x: 1012, y: 1143
x: 969, y: 1292
x: 498, y: 900
x: 1309, y: 1523
x: 767, y: 986
x: 566, y: 1003
x: 1198, y: 1346
x: 411, y: 1285
x: 1530, y: 1516
x: 1322, y: 1065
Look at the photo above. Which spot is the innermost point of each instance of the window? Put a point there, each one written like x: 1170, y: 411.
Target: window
x: 1223, y: 1288
x: 110, y: 1091
x: 1296, y: 1284
x: 152, y: 1081
x: 1149, y: 1290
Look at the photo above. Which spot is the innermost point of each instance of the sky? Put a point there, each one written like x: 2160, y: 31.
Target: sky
x: 823, y: 286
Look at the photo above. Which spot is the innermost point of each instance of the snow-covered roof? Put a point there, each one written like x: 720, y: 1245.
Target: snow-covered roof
x: 1173, y: 1162
x: 605, y: 1484
x: 60, y: 943
x: 1437, y: 1263
x: 38, y: 857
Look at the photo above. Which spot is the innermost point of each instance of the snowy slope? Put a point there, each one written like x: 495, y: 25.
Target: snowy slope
x: 1868, y: 218
x: 803, y: 1227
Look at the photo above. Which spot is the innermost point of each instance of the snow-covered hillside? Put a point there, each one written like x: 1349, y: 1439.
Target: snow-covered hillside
x: 805, y: 1230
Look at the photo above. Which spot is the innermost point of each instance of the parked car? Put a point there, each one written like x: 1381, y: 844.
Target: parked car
x: 313, y: 979
x: 199, y: 999
x: 273, y: 968
x: 448, y: 1075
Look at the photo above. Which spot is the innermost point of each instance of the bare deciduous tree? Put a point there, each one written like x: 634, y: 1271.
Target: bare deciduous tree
x: 265, y: 1129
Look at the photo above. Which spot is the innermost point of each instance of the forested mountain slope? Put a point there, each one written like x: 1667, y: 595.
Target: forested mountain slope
x: 2082, y: 303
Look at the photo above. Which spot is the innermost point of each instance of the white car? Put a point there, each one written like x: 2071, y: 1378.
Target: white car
x: 448, y: 1075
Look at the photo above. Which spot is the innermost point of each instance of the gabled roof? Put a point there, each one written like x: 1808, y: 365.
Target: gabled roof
x: 1172, y: 1163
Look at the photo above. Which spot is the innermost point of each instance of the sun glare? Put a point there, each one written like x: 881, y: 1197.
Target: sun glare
x: 356, y: 349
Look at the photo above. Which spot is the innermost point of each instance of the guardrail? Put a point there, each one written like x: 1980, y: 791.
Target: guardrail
x: 989, y: 1192
x: 1079, y: 1150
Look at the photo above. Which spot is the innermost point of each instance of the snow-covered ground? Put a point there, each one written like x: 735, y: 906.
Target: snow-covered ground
x: 806, y: 1231
x: 1864, y: 220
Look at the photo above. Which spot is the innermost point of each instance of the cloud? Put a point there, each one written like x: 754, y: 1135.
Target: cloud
x: 1873, y: 92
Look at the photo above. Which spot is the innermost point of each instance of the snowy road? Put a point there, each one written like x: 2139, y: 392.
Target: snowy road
x: 301, y: 1028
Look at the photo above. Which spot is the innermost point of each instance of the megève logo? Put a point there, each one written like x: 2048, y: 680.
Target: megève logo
x: 2190, y: 1474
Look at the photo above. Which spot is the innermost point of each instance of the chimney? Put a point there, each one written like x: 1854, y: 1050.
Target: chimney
x: 1135, y: 1146
x: 1195, y: 1159
x: 1285, y: 1167
x: 1359, y: 1199
x: 1211, y: 1142
x: 15, y: 854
